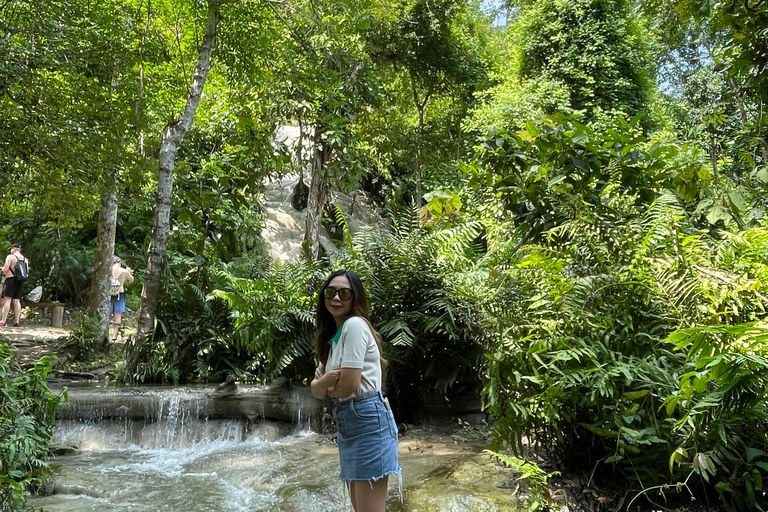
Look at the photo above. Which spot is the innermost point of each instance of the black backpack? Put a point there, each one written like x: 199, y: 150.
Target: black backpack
x: 21, y: 270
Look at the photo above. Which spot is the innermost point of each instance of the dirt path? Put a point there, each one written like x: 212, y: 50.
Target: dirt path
x: 31, y: 342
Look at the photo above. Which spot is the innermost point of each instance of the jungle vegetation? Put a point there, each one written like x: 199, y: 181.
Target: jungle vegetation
x: 574, y: 193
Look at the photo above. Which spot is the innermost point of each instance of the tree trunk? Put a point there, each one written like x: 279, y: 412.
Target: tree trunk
x: 713, y: 154
x: 417, y: 164
x: 53, y: 268
x: 140, y: 99
x: 172, y: 135
x: 105, y: 249
x: 318, y: 186
x: 316, y: 199
x: 420, y: 108
x: 764, y: 150
x: 739, y: 101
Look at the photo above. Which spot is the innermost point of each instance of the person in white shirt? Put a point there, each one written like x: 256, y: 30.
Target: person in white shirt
x: 351, y: 372
x: 117, y: 302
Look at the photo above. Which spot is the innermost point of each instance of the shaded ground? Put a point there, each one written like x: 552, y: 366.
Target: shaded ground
x: 35, y: 338
x: 33, y: 341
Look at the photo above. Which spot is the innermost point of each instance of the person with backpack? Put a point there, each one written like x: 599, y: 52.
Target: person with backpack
x: 16, y: 272
x: 117, y: 292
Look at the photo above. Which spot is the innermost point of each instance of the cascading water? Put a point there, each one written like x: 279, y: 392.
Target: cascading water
x: 179, y: 457
x: 179, y: 450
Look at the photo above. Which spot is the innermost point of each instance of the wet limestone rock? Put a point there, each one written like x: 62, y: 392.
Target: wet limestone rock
x: 472, y: 484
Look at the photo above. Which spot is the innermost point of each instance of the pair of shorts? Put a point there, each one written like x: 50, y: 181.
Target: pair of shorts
x: 367, y: 438
x: 13, y: 288
x: 117, y: 304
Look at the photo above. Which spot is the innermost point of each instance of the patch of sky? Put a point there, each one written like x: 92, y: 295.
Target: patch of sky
x: 498, y: 9
x: 678, y: 64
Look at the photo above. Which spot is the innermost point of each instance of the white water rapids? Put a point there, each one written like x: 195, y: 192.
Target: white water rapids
x: 295, y: 472
x: 174, y: 460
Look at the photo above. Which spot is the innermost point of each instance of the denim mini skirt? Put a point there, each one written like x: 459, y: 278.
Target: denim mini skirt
x: 367, y: 438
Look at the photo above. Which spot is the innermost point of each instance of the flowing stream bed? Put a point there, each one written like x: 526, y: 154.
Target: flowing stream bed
x: 173, y: 460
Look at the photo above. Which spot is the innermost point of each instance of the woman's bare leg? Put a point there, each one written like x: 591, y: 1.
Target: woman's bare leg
x: 369, y: 496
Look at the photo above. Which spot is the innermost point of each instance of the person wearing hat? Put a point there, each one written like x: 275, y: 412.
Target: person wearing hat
x: 117, y: 302
x: 13, y: 290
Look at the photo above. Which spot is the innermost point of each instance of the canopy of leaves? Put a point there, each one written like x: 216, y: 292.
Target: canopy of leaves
x: 586, y: 57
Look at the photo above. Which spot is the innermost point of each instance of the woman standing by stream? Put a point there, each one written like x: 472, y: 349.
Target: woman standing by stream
x: 351, y: 372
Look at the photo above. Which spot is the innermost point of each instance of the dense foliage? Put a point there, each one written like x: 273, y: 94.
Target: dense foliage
x: 27, y: 413
x: 274, y: 321
x: 424, y: 304
x: 628, y: 335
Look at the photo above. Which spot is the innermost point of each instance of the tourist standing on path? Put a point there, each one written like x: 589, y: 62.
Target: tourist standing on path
x: 13, y: 289
x: 351, y: 372
x: 117, y: 302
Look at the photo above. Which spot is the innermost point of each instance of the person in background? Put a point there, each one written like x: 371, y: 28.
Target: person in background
x: 351, y: 372
x: 12, y: 290
x: 117, y: 302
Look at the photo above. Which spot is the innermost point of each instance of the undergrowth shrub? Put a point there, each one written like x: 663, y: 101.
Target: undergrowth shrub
x: 721, y: 408
x: 625, y: 339
x: 27, y: 414
x: 588, y: 362
x: 424, y: 287
x: 274, y: 320
x: 191, y: 340
x: 84, y: 341
x: 581, y: 350
x: 536, y: 497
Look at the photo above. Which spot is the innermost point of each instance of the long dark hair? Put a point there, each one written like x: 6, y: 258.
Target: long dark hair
x: 326, y: 324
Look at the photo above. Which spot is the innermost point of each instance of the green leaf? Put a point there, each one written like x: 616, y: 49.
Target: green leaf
x: 738, y: 199
x: 554, y: 181
x: 678, y: 456
x: 761, y: 174
x: 531, y: 128
x: 671, y: 405
x: 634, y: 395
x: 753, y: 453
x: 717, y: 213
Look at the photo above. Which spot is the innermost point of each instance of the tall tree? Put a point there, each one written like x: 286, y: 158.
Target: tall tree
x: 326, y: 70
x: 172, y: 135
x: 739, y: 31
x: 105, y: 249
x: 710, y: 55
x: 428, y: 39
x: 123, y: 126
x: 590, y: 58
x: 731, y: 37
x: 66, y: 117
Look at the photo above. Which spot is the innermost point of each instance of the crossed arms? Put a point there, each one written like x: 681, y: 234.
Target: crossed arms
x: 337, y: 383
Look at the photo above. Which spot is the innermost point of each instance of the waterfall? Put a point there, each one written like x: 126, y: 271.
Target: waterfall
x: 284, y: 227
x: 170, y: 418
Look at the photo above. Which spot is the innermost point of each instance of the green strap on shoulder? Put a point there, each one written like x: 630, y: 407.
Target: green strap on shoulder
x: 336, y: 337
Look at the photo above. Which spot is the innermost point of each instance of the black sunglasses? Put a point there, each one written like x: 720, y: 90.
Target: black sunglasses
x: 344, y: 293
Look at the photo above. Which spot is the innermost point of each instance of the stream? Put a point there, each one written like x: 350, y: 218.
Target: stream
x: 179, y: 457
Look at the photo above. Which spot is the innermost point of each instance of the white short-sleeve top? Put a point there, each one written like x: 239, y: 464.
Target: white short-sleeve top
x: 357, y: 349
